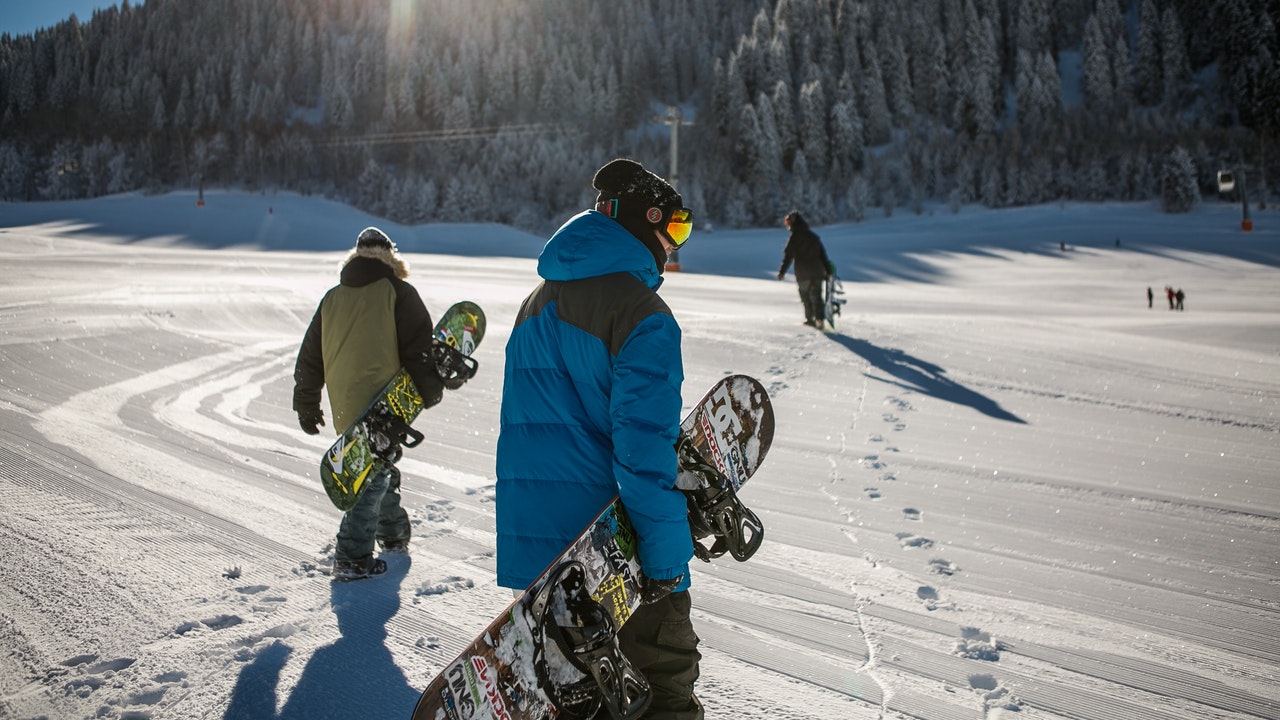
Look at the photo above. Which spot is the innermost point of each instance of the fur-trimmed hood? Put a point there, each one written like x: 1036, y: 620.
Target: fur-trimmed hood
x: 389, y: 257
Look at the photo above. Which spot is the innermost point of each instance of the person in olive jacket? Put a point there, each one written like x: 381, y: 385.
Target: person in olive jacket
x: 365, y: 329
x: 812, y: 266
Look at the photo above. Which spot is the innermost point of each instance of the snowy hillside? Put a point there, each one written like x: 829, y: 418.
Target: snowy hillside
x: 1005, y: 487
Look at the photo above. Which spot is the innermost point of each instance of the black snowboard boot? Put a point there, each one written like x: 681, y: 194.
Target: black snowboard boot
x: 346, y: 571
x: 394, y: 546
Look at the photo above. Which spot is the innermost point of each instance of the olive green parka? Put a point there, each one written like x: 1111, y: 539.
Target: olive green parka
x: 366, y: 328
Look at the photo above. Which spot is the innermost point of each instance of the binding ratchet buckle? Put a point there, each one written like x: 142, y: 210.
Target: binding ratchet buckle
x: 453, y: 367
x: 586, y: 636
x: 715, y: 510
x: 389, y: 433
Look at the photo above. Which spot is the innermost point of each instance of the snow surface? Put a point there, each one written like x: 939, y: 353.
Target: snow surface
x: 1004, y: 488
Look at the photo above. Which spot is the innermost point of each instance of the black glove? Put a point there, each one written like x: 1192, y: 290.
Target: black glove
x: 654, y: 590
x: 782, y: 275
x: 311, y: 421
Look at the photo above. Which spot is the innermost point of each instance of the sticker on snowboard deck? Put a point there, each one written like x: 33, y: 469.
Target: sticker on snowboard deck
x: 730, y: 427
x: 358, y: 452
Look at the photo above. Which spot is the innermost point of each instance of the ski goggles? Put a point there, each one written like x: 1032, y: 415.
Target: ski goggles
x: 679, y: 226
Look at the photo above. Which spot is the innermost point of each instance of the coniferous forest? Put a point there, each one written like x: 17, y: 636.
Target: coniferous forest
x: 499, y: 111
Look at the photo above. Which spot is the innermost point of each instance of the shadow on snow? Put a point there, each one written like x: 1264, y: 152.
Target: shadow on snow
x: 920, y: 376
x: 355, y: 677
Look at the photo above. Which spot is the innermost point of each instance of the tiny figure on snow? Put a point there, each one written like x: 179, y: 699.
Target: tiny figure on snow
x: 812, y: 267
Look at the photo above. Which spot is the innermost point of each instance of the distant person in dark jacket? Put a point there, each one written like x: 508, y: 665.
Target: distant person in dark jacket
x: 366, y: 328
x: 811, y: 266
x: 1150, y: 297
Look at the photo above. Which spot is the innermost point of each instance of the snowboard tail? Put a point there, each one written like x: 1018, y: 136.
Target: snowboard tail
x: 384, y: 428
x: 553, y: 652
x: 832, y: 302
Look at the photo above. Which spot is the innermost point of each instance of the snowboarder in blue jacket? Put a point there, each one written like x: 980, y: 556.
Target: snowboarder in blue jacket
x: 591, y: 410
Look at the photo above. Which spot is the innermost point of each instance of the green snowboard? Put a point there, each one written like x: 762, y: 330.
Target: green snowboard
x: 383, y: 427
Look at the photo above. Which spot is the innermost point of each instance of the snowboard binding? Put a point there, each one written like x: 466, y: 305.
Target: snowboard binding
x: 586, y: 636
x: 453, y: 367
x: 715, y: 511
x: 389, y: 435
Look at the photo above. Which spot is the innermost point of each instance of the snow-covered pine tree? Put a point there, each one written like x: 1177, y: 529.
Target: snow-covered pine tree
x: 1179, y: 190
x: 930, y: 74
x: 897, y: 80
x: 784, y: 121
x: 1028, y: 111
x: 847, y: 144
x: 372, y: 187
x: 767, y: 171
x: 1048, y: 91
x: 1033, y: 29
x: 1117, y: 38
x: 814, y: 139
x: 1175, y: 67
x: 874, y: 103
x: 859, y: 196
x: 1148, y: 74
x: 1099, y: 93
x: 975, y: 94
x: 992, y: 183
x: 425, y: 197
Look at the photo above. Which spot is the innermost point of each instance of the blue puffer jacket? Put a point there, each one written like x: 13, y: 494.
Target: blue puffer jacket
x: 591, y: 406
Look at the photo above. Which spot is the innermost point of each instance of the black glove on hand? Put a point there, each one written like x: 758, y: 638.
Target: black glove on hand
x: 782, y: 276
x: 311, y: 421
x: 654, y: 590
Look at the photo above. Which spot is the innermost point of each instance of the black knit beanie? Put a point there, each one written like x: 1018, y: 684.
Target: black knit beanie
x: 373, y: 237
x: 638, y: 200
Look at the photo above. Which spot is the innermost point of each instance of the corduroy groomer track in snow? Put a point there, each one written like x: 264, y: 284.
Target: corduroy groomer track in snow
x: 1003, y: 487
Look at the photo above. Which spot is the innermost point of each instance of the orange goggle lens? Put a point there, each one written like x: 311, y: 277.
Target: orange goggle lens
x: 679, y: 225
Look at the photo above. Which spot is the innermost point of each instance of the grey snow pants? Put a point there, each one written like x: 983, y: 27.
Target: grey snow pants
x: 377, y: 516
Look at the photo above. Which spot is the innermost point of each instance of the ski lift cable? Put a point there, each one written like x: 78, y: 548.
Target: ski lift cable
x: 444, y: 135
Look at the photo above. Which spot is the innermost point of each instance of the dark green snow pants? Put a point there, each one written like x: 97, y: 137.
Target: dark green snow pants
x: 811, y: 296
x: 660, y: 642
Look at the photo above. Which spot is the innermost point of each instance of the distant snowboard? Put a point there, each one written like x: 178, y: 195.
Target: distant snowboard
x: 832, y: 289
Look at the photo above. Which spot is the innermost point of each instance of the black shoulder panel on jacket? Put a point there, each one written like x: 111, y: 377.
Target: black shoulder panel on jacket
x: 608, y: 307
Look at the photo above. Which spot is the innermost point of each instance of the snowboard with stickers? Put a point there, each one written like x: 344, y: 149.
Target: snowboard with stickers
x: 553, y: 651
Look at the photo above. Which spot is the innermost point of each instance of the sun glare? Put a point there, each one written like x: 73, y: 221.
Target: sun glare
x: 400, y: 26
